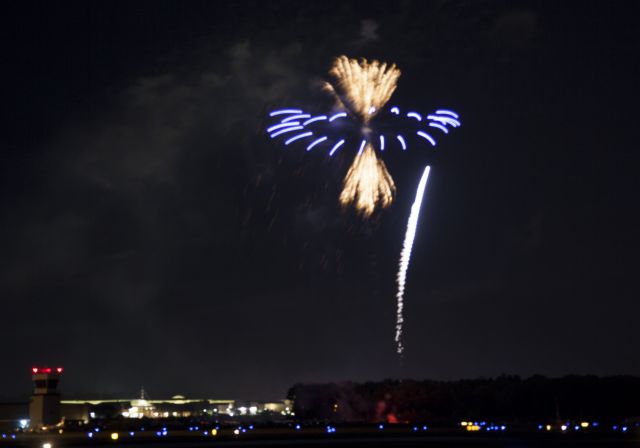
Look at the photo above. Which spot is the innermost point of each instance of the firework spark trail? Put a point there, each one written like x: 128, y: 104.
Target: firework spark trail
x: 367, y: 183
x: 405, y: 256
x: 362, y: 87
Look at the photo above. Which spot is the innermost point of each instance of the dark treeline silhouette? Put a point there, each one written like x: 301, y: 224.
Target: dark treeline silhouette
x: 506, y: 398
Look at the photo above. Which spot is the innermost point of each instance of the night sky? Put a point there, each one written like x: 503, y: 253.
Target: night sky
x: 152, y: 235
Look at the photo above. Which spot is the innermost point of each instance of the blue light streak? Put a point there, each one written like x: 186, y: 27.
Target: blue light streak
x: 295, y: 117
x: 382, y: 143
x: 315, y: 142
x: 395, y: 110
x: 335, y: 147
x: 364, y: 142
x: 298, y: 137
x: 285, y: 111
x: 427, y: 137
x: 289, y: 129
x: 372, y: 110
x: 311, y: 120
x: 439, y: 126
x: 415, y: 115
x: 447, y: 112
x: 284, y: 125
x: 402, y: 142
x: 444, y: 120
x: 338, y: 115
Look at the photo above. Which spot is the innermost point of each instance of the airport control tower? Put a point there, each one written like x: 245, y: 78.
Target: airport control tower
x: 44, y: 406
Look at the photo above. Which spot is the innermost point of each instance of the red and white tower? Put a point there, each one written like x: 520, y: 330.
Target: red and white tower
x: 44, y: 406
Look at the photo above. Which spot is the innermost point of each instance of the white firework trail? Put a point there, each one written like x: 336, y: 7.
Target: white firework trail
x: 405, y: 256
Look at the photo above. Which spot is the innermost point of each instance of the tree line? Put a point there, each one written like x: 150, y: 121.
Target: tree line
x: 505, y: 398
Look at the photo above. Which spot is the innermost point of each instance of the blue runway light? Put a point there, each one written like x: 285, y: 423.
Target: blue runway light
x: 381, y: 426
x: 297, y: 427
x: 415, y: 115
x: 382, y: 143
x: 90, y: 435
x: 425, y: 427
x: 395, y: 110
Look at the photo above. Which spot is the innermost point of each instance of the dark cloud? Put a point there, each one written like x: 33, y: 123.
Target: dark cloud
x: 515, y: 28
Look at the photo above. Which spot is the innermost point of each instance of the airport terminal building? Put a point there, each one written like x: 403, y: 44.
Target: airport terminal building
x: 46, y: 409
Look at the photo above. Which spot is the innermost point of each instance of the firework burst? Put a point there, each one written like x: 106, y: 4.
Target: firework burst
x: 367, y: 183
x: 362, y: 87
x: 361, y: 90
